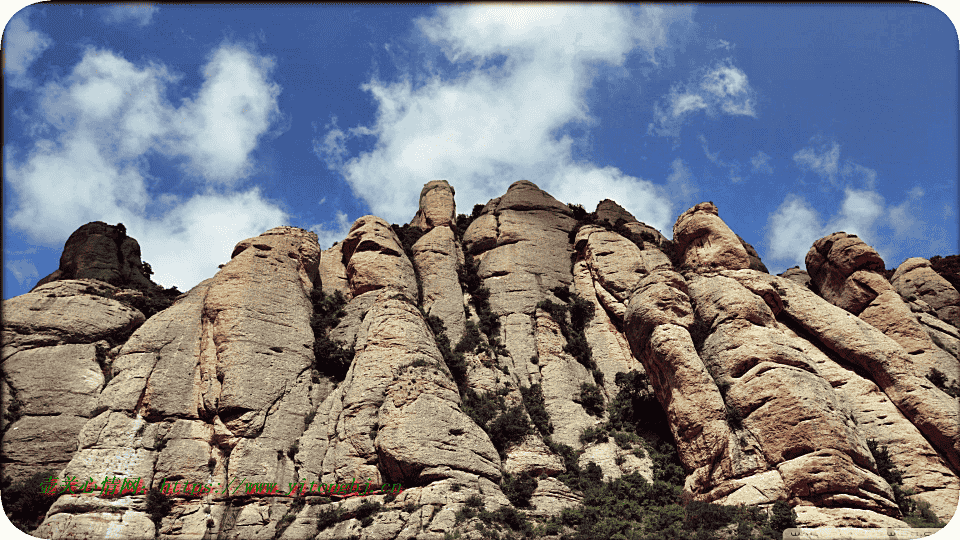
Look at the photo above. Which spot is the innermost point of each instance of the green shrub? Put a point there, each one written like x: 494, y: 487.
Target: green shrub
x: 294, y: 448
x: 734, y: 418
x: 327, y: 517
x: 408, y: 235
x: 885, y: 466
x: 482, y: 408
x: 474, y: 501
x: 158, y: 504
x: 707, y: 516
x: 592, y: 434
x: 470, y: 341
x: 518, y: 489
x: 330, y: 357
x: 591, y: 398
x: 561, y: 292
x: 536, y: 408
x: 624, y: 439
x: 782, y: 516
x: 509, y: 428
x: 366, y: 511
x: 25, y: 502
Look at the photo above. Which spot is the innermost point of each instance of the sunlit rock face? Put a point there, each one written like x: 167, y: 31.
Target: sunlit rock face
x: 771, y: 386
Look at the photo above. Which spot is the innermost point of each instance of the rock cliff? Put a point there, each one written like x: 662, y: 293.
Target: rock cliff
x: 529, y: 356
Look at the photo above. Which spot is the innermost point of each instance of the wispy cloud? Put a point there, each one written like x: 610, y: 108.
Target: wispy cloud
x: 822, y: 158
x: 329, y: 235
x: 524, y: 72
x: 23, y: 271
x: 21, y: 47
x: 108, y: 118
x: 139, y: 14
x: 733, y: 167
x: 761, y: 163
x: 721, y: 89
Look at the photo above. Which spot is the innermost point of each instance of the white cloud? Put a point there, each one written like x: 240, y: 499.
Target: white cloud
x: 328, y: 236
x: 733, y: 167
x: 498, y: 123
x: 21, y: 47
x: 722, y: 89
x: 23, y: 271
x: 107, y: 118
x: 140, y: 14
x: 720, y: 44
x: 681, y: 185
x: 822, y: 158
x: 795, y: 225
x: 792, y: 228
x: 761, y: 163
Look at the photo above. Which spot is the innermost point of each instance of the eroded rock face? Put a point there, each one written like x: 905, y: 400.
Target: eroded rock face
x: 57, y: 342
x: 916, y: 278
x: 706, y: 242
x: 770, y: 390
x: 437, y: 206
x: 374, y: 259
x: 846, y: 271
x: 104, y: 252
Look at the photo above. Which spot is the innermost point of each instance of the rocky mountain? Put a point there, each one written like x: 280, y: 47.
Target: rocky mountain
x: 529, y: 370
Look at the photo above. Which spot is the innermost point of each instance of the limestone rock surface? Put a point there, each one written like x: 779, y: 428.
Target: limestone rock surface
x: 104, y: 252
x: 771, y: 388
x: 915, y: 277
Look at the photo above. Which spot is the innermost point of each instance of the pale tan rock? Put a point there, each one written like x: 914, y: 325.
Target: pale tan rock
x: 60, y: 312
x: 916, y: 278
x: 797, y: 275
x: 552, y: 496
x: 606, y: 454
x: 52, y: 380
x: 532, y: 457
x: 420, y: 432
x: 437, y: 206
x: 561, y: 377
x: 877, y: 418
x: 890, y: 315
x: 126, y: 524
x: 812, y: 516
x: 845, y: 271
x: 39, y: 443
x: 755, y: 262
x: 614, y: 262
x: 436, y: 260
x: 611, y: 350
x: 656, y: 325
x: 375, y: 259
x: 333, y: 272
x: 706, y: 243
x: 761, y: 488
x: 103, y: 252
x: 932, y: 411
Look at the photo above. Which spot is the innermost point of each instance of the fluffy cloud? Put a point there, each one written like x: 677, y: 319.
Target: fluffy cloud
x: 21, y: 46
x: 140, y: 14
x: 498, y: 121
x: 722, y: 89
x: 893, y: 230
x: 108, y: 118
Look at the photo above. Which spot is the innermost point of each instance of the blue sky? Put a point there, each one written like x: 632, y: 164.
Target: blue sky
x: 200, y: 126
